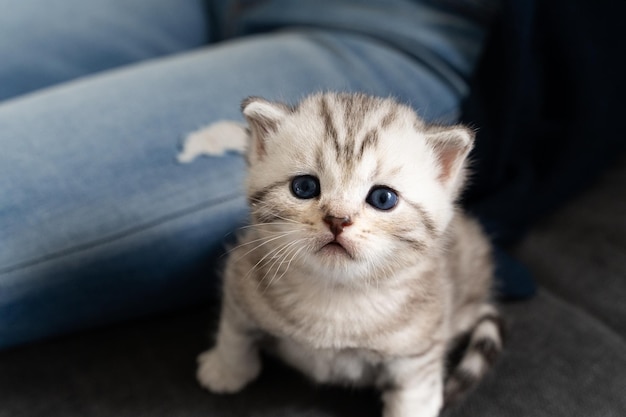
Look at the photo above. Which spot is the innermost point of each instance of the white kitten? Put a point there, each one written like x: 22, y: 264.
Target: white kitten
x: 357, y: 266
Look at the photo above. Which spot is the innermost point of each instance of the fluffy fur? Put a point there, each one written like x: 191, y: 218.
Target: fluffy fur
x: 342, y: 290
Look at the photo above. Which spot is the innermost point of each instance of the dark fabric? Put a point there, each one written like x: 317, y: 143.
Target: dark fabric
x: 586, y: 239
x: 559, y: 362
x: 548, y: 101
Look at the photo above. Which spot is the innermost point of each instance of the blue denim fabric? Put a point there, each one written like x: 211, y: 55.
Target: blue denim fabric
x: 98, y: 222
x: 43, y: 43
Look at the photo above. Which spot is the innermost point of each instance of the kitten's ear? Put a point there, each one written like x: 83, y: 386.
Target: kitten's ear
x: 451, y: 145
x: 263, y: 118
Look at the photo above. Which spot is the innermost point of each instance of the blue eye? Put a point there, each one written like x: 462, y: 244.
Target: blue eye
x: 305, y: 186
x: 382, y: 198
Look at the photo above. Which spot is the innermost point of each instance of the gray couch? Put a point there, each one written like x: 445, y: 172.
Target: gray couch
x: 565, y: 353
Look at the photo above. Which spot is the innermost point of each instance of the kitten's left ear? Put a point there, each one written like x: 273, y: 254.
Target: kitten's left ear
x: 263, y: 117
x: 451, y: 146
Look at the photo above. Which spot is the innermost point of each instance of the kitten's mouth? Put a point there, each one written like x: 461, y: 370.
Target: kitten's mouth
x: 335, y: 248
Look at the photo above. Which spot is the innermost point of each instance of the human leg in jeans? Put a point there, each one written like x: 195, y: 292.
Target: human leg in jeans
x: 97, y: 219
x: 45, y: 43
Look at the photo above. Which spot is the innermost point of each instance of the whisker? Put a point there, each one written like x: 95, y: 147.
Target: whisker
x: 275, y: 254
x: 289, y: 263
x: 282, y: 258
x: 269, y: 240
x: 265, y: 207
x: 285, y: 218
x: 278, y: 258
x: 282, y: 234
x: 250, y: 226
x: 265, y: 238
x: 254, y: 267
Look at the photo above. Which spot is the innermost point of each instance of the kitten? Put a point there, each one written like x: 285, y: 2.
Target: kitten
x: 357, y: 265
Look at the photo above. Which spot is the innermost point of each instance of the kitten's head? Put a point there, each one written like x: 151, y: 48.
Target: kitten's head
x: 351, y: 185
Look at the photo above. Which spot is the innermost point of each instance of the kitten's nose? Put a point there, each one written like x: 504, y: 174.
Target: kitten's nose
x: 336, y: 224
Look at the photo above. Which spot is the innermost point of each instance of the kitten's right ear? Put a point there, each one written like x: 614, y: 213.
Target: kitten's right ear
x: 263, y: 118
x: 451, y: 146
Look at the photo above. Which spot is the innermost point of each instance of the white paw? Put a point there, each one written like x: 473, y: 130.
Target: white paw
x: 413, y: 402
x: 217, y: 376
x: 214, y: 140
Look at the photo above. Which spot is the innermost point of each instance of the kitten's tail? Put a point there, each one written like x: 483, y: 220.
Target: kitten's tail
x: 474, y: 354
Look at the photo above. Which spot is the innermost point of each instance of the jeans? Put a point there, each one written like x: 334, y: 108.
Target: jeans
x: 98, y: 222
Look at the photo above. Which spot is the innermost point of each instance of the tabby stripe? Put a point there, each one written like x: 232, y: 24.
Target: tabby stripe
x: 369, y: 141
x: 488, y: 349
x: 262, y: 215
x: 427, y: 221
x: 393, y: 385
x: 433, y: 344
x: 411, y: 308
x: 388, y: 119
x: 319, y: 160
x: 497, y: 320
x: 347, y: 108
x: 417, y: 245
x: 348, y: 153
x: 331, y: 130
x: 372, y: 137
x: 356, y: 117
x: 460, y: 382
x: 349, y: 120
x: 480, y: 354
x: 259, y: 196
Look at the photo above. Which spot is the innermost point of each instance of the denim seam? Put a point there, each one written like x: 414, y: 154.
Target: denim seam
x: 119, y: 235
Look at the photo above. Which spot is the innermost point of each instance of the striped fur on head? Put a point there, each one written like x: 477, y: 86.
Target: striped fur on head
x: 352, y: 143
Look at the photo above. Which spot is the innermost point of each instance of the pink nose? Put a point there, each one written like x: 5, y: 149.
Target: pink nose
x: 336, y: 224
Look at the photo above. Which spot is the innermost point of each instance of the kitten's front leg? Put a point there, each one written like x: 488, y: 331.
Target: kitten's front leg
x: 414, y: 387
x: 234, y: 360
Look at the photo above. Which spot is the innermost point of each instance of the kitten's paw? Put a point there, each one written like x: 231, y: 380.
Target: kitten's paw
x: 215, y: 375
x: 414, y: 402
x: 214, y: 140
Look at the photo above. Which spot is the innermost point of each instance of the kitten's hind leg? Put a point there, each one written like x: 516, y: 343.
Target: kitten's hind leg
x: 482, y: 346
x: 234, y: 361
x: 214, y: 140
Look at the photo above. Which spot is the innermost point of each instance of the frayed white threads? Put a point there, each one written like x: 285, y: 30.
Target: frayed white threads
x: 214, y: 140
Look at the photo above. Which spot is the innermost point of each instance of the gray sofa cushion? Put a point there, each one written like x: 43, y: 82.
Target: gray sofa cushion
x: 559, y: 361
